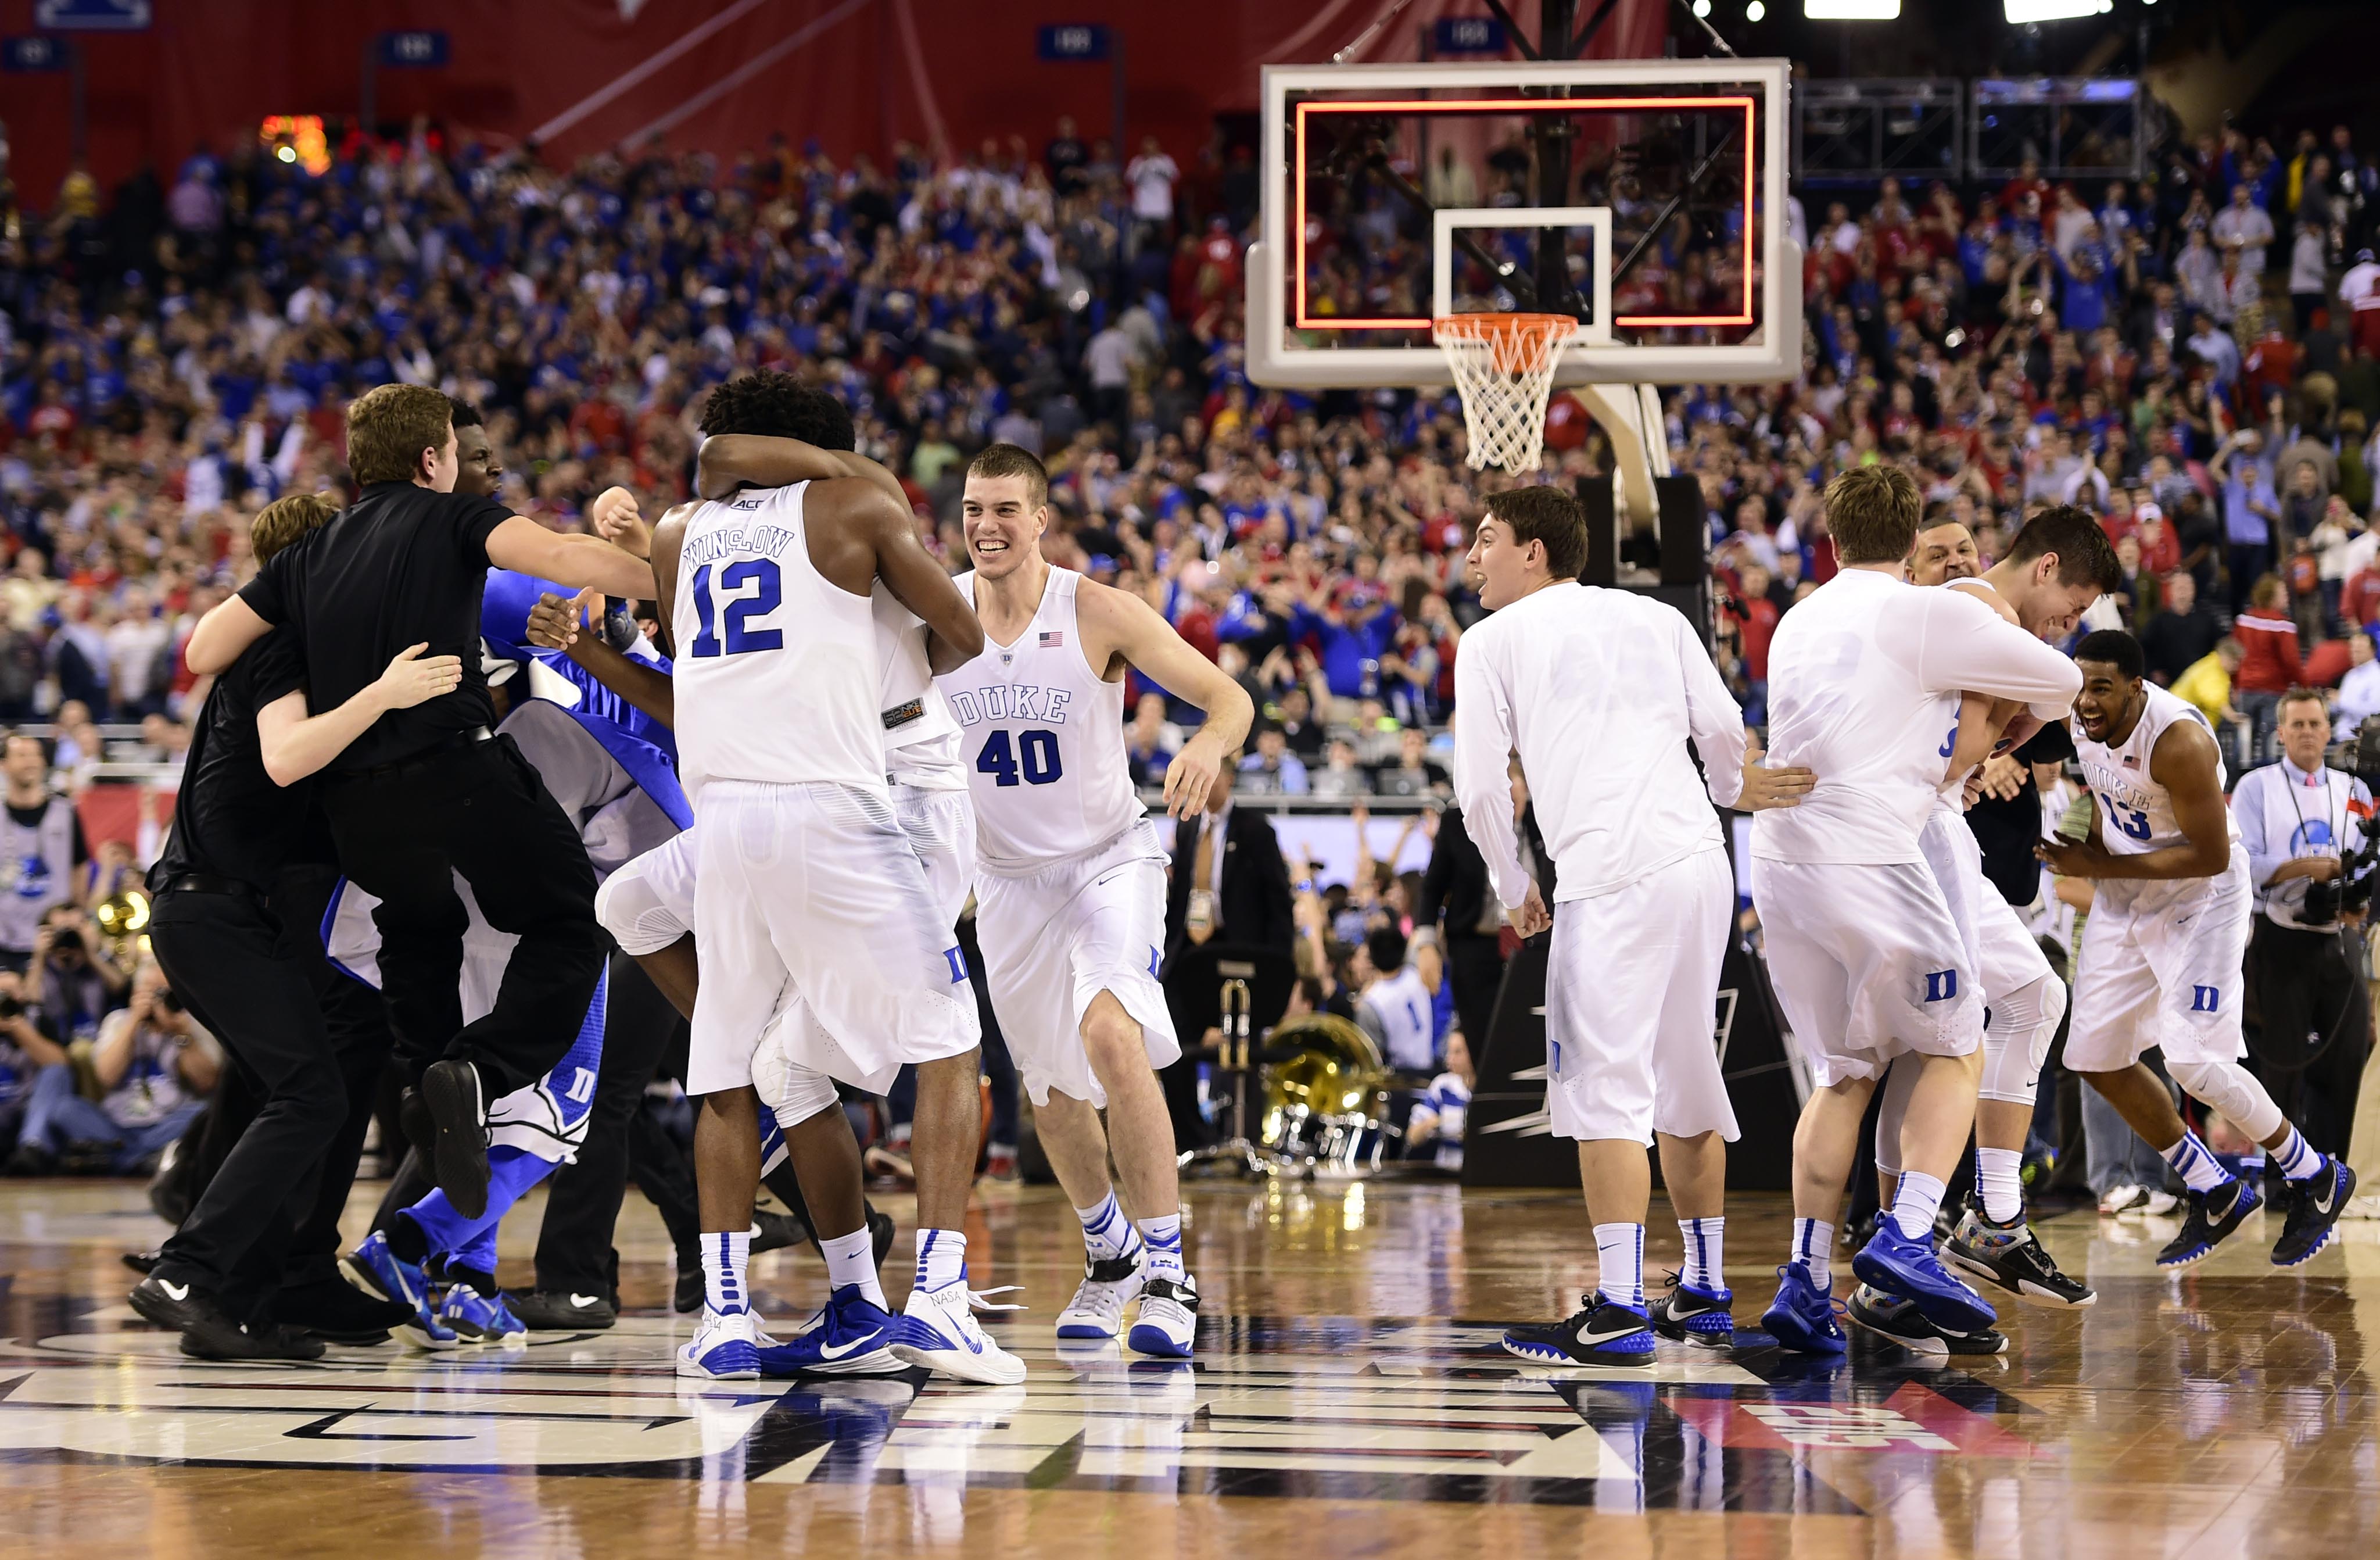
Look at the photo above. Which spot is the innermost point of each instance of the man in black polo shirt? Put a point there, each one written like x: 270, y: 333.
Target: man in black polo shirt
x: 429, y: 791
x: 246, y: 973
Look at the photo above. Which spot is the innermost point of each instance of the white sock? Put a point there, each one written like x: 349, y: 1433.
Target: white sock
x: 725, y: 1254
x: 1106, y: 1232
x: 1705, y: 1252
x: 942, y: 1259
x: 1813, y: 1247
x: 1619, y: 1263
x: 851, y: 1259
x: 1919, y: 1200
x: 2296, y: 1156
x: 1164, y: 1238
x: 1999, y: 1175
x: 2199, y: 1169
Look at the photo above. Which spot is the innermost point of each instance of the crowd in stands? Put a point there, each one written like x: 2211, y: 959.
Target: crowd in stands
x: 2196, y: 357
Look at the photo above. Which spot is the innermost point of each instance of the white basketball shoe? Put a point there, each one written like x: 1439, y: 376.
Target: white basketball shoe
x: 939, y: 1331
x: 1109, y: 1284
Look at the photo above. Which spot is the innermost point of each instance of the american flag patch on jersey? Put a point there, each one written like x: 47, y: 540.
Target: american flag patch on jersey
x: 1053, y: 637
x: 2131, y: 761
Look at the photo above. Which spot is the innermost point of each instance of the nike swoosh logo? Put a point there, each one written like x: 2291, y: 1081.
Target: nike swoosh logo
x: 829, y: 1351
x: 2321, y: 1204
x: 583, y: 1301
x: 182, y: 1291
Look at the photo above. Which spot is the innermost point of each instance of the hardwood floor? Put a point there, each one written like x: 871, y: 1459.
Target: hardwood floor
x: 1348, y: 1398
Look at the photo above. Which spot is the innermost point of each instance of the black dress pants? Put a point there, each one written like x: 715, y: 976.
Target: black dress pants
x: 1474, y: 966
x: 480, y: 810
x: 2316, y: 1028
x: 243, y: 975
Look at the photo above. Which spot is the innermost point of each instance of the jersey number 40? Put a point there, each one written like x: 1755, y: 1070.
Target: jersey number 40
x: 763, y: 601
x: 1032, y: 758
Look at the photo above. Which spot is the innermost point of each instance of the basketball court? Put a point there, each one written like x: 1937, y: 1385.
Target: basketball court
x: 1349, y: 1397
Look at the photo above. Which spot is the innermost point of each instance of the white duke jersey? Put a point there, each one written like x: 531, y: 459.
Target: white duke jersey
x: 1041, y: 734
x: 777, y: 671
x: 921, y: 740
x: 2135, y: 812
x: 1396, y: 1012
x: 1864, y: 677
x: 1598, y: 691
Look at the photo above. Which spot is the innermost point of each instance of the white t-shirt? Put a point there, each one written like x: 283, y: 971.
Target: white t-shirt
x: 1599, y: 690
x: 1865, y: 676
x: 1152, y: 186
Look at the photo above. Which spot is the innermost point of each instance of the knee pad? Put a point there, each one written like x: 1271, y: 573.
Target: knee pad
x: 636, y: 915
x: 2232, y: 1089
x: 2018, y: 1040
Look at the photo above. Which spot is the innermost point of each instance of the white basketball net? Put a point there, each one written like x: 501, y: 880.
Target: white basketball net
x: 1504, y: 367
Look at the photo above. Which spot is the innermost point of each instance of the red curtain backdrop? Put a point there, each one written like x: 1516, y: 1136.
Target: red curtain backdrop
x: 858, y: 75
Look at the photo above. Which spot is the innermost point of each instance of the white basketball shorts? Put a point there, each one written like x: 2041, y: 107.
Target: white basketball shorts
x: 1868, y: 963
x: 814, y: 893
x: 2007, y: 959
x: 2161, y: 969
x: 1632, y: 1000
x: 1055, y: 939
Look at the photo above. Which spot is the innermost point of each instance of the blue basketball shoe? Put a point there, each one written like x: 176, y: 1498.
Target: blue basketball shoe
x: 1694, y: 1315
x: 1912, y: 1269
x: 480, y: 1319
x: 1603, y: 1332
x: 853, y: 1336
x: 376, y: 1270
x: 2213, y: 1214
x: 1803, y: 1315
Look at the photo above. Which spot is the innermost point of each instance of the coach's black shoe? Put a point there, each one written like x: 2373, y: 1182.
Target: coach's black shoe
x: 459, y: 1163
x: 220, y: 1338
x: 2313, y: 1205
x: 169, y: 1304
x: 686, y: 1298
x: 338, y: 1312
x: 2213, y: 1216
x: 1603, y: 1333
x: 881, y: 1231
x: 2011, y: 1256
x: 542, y: 1311
x: 142, y: 1261
x: 775, y: 1232
x: 1900, y: 1320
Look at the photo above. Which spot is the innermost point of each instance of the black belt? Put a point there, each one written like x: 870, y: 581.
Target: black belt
x: 207, y: 882
x: 413, y: 763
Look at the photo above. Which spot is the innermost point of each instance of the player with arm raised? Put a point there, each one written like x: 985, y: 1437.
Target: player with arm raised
x: 2161, y: 955
x: 766, y: 434
x: 1599, y: 692
x: 2058, y: 565
x: 1069, y: 882
x: 803, y: 877
x: 1869, y: 963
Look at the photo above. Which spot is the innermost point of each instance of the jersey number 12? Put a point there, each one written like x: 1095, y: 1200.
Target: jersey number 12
x: 763, y: 602
x: 1035, y: 757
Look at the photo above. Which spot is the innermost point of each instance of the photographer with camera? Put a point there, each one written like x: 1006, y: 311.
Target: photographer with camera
x: 27, y: 1048
x: 74, y: 973
x: 2307, y: 829
x: 157, y: 1065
